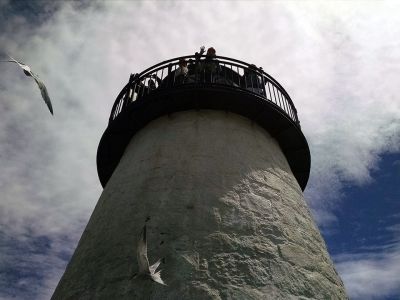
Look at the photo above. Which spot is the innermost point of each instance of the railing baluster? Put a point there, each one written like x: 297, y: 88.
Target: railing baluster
x: 231, y: 77
x: 216, y: 77
x: 173, y: 83
x: 237, y: 68
x: 287, y: 104
x: 263, y: 86
x: 134, y: 92
x: 278, y: 103
x: 281, y: 101
x: 118, y: 106
x: 269, y: 89
x: 245, y: 78
x: 284, y: 103
x: 252, y: 83
x: 289, y: 109
x: 226, y: 79
x: 142, y: 86
x: 292, y: 112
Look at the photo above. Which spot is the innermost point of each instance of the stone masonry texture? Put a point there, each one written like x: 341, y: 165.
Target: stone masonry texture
x: 224, y: 212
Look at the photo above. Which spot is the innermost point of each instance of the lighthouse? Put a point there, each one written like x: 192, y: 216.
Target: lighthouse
x: 209, y: 155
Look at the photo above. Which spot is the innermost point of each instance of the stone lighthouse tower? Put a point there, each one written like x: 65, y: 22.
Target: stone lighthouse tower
x: 209, y: 154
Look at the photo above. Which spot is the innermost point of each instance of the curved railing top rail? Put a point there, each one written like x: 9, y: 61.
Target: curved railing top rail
x: 224, y: 71
x: 219, y: 58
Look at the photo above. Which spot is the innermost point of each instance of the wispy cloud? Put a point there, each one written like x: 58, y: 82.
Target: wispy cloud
x: 338, y: 61
x: 372, y: 273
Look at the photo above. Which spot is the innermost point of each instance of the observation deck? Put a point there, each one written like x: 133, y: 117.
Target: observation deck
x: 219, y: 83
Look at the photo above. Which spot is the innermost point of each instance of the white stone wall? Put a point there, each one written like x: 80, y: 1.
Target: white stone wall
x: 226, y: 214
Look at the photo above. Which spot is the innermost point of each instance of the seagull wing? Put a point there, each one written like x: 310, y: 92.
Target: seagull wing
x: 43, y: 91
x: 157, y: 278
x: 24, y: 67
x: 154, y: 266
x: 143, y: 261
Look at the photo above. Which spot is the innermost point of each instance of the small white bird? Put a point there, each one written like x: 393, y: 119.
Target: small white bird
x: 42, y: 87
x: 145, y: 269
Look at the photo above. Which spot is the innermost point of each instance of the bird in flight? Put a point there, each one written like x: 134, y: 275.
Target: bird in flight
x: 145, y: 270
x: 42, y: 87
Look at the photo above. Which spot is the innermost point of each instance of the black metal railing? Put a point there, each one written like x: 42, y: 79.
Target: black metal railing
x: 218, y: 71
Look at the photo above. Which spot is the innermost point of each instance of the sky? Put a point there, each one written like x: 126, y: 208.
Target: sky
x: 339, y: 62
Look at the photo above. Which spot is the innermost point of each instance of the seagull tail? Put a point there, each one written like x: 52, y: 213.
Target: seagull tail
x: 156, y: 277
x: 12, y: 59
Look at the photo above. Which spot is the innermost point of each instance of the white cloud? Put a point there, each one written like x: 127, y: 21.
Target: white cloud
x: 372, y: 274
x: 339, y: 62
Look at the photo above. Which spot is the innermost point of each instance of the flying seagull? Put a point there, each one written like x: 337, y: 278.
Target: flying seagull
x: 145, y: 269
x: 42, y: 87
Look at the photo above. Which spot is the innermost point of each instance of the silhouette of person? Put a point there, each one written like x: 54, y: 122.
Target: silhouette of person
x: 252, y: 80
x: 211, y: 65
x: 181, y: 72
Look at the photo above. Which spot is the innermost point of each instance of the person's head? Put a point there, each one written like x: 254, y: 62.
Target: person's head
x: 211, y: 51
x: 152, y: 84
x: 182, y: 62
x: 250, y: 70
x: 253, y: 67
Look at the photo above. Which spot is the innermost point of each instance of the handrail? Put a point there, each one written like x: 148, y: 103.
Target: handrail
x: 219, y: 71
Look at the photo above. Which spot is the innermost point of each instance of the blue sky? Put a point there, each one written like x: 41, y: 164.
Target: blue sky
x: 369, y: 214
x: 339, y: 61
x: 367, y: 233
